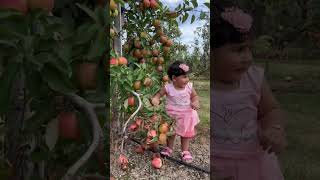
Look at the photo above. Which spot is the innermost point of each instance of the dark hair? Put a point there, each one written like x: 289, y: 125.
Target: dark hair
x: 223, y: 32
x: 175, y: 70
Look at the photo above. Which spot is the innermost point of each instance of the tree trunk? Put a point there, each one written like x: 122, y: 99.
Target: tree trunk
x: 117, y: 41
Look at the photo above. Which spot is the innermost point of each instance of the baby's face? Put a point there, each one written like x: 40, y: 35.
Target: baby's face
x: 231, y: 61
x: 181, y: 81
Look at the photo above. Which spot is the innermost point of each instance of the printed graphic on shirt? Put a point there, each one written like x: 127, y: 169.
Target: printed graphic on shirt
x: 234, y: 123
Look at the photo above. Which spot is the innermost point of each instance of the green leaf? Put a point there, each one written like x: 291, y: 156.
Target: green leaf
x: 85, y: 33
x: 155, y: 139
x: 56, y: 80
x: 45, y: 45
x: 62, y: 66
x: 121, y: 2
x: 54, y: 21
x: 52, y: 133
x: 89, y: 12
x: 6, y: 80
x: 194, y: 3
x: 193, y: 18
x: 185, y: 17
x: 41, y: 59
x: 28, y: 47
x: 207, y: 4
x: 140, y: 76
x: 64, y: 51
x: 101, y: 16
x: 6, y: 14
x: 202, y: 15
x: 99, y: 45
x: 9, y: 33
x: 39, y: 156
x: 179, y: 7
x: 8, y: 43
x: 112, y: 54
x: 175, y: 22
x: 128, y: 87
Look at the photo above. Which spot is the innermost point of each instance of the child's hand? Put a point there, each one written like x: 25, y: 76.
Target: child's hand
x: 195, y: 105
x: 273, y: 139
x: 155, y: 101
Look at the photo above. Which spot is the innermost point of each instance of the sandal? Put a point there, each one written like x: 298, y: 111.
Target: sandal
x: 166, y: 151
x: 186, y: 156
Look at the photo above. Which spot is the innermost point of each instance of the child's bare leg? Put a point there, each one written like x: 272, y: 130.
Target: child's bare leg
x: 185, y: 143
x: 170, y: 141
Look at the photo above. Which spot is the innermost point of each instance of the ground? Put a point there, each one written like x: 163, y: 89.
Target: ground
x: 140, y: 165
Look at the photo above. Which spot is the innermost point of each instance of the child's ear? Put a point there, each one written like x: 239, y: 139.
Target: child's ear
x: 173, y: 78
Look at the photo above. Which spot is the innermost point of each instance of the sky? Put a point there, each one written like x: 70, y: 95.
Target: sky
x: 187, y: 28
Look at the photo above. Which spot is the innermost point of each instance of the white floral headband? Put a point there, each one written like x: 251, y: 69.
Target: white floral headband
x: 184, y: 67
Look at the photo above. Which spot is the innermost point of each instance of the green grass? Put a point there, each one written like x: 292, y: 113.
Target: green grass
x: 305, y: 77
x: 301, y: 160
x: 202, y: 88
x: 298, y: 71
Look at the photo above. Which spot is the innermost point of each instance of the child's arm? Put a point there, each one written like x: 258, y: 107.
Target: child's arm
x: 195, y: 100
x: 272, y: 121
x: 155, y: 100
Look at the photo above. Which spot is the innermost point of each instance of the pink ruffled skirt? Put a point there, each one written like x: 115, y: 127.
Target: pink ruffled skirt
x: 185, y: 120
x: 262, y: 167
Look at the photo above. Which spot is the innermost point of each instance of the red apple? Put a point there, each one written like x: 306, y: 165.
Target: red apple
x: 122, y: 61
x: 154, y: 4
x: 114, y: 61
x: 152, y: 133
x: 156, y: 163
x: 41, y: 4
x: 133, y: 127
x: 146, y: 3
x: 20, y: 5
x: 131, y: 101
x: 68, y: 125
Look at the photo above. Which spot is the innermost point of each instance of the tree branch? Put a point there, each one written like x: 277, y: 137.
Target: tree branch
x: 88, y: 108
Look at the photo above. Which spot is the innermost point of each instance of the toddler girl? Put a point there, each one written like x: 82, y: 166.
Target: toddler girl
x: 246, y: 121
x: 181, y: 105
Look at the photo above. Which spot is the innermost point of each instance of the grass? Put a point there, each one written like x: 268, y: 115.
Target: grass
x: 301, y: 160
x: 305, y: 77
x: 202, y: 87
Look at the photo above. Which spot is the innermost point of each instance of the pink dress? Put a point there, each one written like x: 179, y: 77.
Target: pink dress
x: 234, y: 128
x: 178, y: 107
